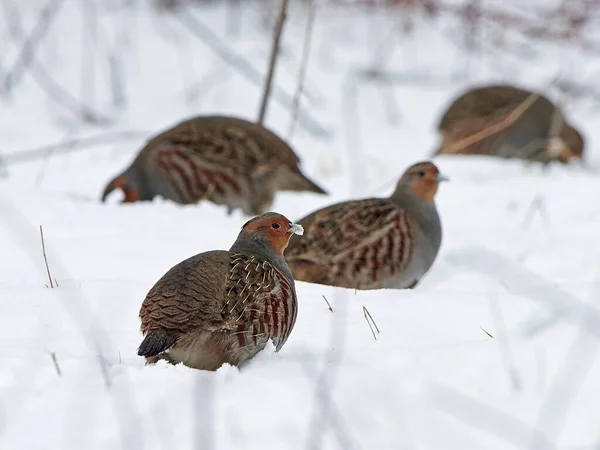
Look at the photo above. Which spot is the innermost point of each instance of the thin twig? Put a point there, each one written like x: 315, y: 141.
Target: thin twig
x: 27, y: 54
x: 89, y: 48
x: 56, y: 366
x: 537, y: 204
x: 68, y: 146
x: 55, y: 91
x: 503, y: 344
x: 45, y: 258
x: 368, y: 316
x: 324, y: 408
x: 486, y: 332
x: 303, y: 66
x: 272, y: 62
x: 328, y: 305
x: 247, y: 70
x: 65, y: 99
x: 233, y: 18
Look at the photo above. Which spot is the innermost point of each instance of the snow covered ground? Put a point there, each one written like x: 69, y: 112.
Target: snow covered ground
x: 497, y: 349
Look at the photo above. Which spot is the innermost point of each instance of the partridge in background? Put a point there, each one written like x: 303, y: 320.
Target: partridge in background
x: 226, y: 160
x: 373, y: 243
x: 223, y: 306
x: 540, y: 133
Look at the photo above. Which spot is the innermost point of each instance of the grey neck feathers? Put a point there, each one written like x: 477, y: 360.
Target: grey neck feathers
x: 423, y: 212
x: 258, y: 245
x: 137, y: 181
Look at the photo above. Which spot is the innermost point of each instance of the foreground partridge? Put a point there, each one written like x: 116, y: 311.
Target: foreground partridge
x: 226, y: 160
x: 540, y: 133
x: 223, y: 306
x: 373, y: 243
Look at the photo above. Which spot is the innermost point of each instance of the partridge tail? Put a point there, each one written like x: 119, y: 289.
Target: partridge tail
x: 156, y: 342
x: 121, y: 182
x: 297, y: 181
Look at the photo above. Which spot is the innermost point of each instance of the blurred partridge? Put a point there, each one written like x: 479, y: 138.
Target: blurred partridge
x: 226, y: 160
x: 223, y: 306
x: 373, y: 243
x: 540, y: 133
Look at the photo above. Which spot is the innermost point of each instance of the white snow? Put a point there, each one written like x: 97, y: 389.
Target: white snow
x: 519, y: 260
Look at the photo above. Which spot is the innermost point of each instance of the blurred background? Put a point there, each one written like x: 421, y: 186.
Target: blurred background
x: 496, y: 350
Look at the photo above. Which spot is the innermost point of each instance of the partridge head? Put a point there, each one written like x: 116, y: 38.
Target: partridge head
x: 229, y: 161
x: 373, y: 243
x: 421, y: 180
x: 224, y: 306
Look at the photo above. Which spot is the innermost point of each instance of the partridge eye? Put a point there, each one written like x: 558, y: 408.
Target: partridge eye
x: 422, y: 173
x: 275, y: 225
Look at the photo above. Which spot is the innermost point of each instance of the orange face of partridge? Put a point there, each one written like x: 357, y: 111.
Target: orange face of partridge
x: 573, y: 144
x: 121, y: 182
x: 424, y: 179
x: 276, y: 228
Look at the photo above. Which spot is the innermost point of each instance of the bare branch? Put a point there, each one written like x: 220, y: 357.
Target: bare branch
x: 486, y: 332
x: 27, y: 54
x: 328, y: 305
x: 45, y: 258
x: 67, y: 146
x: 56, y: 366
x: 247, y: 70
x: 503, y: 344
x: 368, y: 316
x: 272, y: 62
x: 303, y: 66
x: 54, y: 90
x: 89, y: 49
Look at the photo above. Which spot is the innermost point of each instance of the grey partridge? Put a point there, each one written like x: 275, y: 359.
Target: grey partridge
x: 224, y: 306
x: 540, y: 133
x: 373, y: 243
x: 226, y: 160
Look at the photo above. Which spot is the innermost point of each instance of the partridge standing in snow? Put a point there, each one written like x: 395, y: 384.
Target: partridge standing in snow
x: 223, y: 306
x: 226, y: 160
x: 373, y: 243
x: 540, y: 133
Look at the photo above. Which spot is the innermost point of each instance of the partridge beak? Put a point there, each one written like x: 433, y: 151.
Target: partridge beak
x: 296, y: 228
x: 439, y: 177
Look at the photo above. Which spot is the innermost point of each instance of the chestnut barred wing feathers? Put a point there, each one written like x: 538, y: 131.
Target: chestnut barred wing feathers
x: 220, y: 291
x: 225, y: 160
x: 191, y: 177
x: 373, y: 243
x: 260, y: 302
x: 337, y: 230
x: 229, y: 140
x: 356, y: 245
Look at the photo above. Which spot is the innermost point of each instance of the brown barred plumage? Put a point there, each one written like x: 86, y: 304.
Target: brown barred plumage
x: 372, y: 243
x: 260, y: 301
x: 539, y: 133
x: 223, y: 306
x: 226, y: 160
